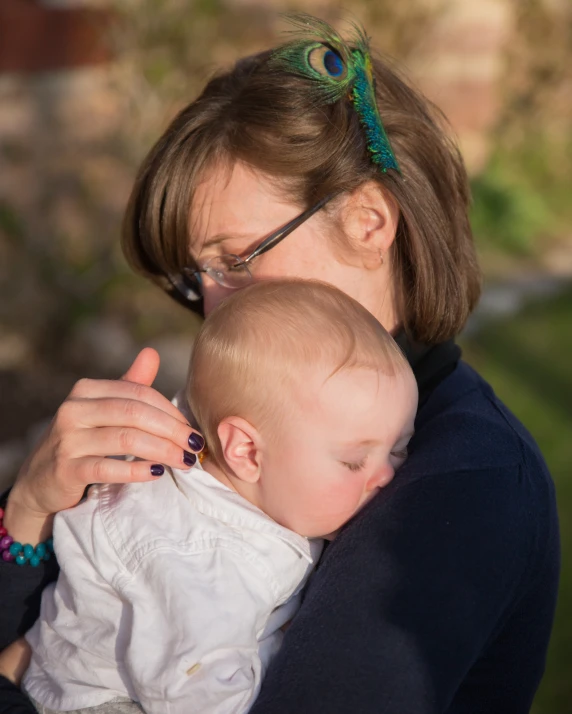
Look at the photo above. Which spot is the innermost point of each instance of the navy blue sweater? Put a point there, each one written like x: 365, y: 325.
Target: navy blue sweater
x: 439, y: 596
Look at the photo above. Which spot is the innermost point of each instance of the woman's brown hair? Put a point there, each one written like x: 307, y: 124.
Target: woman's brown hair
x: 267, y: 118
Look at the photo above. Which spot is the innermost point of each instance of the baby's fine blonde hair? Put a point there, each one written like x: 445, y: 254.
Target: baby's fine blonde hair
x: 257, y: 343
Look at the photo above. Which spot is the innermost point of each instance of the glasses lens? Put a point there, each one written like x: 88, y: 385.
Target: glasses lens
x: 228, y: 271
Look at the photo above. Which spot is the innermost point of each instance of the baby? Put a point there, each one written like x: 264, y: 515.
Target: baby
x: 172, y: 594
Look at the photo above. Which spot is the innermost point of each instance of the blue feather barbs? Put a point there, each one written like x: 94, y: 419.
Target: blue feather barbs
x: 339, y: 71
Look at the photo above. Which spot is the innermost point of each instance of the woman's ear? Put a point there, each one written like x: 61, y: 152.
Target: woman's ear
x: 369, y: 220
x: 241, y: 447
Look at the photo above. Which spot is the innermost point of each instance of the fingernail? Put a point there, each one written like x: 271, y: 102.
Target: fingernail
x: 189, y: 459
x: 196, y: 442
x: 157, y: 470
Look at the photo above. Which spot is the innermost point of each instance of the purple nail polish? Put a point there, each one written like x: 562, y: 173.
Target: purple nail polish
x: 189, y: 459
x: 196, y: 442
x: 157, y: 470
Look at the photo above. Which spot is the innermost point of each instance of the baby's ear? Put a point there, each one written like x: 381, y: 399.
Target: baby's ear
x: 240, y: 443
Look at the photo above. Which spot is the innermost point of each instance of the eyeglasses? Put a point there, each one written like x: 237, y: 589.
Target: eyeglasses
x: 231, y: 271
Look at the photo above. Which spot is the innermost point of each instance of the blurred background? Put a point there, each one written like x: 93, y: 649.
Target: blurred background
x: 86, y: 86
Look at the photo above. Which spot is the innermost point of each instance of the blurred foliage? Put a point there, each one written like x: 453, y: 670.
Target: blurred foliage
x: 172, y: 46
x: 54, y: 279
x: 61, y: 262
x: 522, y: 198
x: 11, y: 225
x: 526, y: 358
x: 538, y: 78
x: 169, y: 47
x: 507, y: 215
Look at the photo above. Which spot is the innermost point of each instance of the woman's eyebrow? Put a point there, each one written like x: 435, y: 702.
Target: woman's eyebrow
x: 221, y: 237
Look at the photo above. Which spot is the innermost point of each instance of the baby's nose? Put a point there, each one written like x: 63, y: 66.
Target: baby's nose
x: 380, y: 478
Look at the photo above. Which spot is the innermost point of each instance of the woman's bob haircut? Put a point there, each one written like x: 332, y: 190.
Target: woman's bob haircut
x: 260, y: 115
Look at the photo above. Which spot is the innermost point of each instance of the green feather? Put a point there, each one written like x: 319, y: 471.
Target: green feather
x: 317, y: 50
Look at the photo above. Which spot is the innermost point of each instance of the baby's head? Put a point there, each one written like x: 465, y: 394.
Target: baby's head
x: 305, y: 401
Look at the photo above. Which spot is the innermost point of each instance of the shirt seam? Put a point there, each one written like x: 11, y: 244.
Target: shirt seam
x: 194, y: 548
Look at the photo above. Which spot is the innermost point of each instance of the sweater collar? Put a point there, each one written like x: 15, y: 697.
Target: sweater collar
x: 431, y: 364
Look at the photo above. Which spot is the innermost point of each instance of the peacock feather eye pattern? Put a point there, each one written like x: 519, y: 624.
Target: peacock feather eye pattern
x: 339, y: 71
x: 326, y: 62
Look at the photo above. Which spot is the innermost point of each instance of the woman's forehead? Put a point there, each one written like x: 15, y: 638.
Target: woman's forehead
x: 236, y: 202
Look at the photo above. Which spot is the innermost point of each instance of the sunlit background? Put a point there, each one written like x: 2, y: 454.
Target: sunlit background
x: 86, y: 86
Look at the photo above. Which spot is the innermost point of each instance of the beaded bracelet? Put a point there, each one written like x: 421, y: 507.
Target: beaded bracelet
x: 22, y: 554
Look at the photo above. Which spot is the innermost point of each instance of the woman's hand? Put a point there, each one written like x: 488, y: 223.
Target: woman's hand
x: 99, y: 418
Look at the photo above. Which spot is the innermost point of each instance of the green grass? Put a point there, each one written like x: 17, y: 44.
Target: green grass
x: 528, y: 361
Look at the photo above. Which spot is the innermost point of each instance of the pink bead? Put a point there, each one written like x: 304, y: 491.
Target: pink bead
x: 6, y: 542
x: 3, y: 532
x: 7, y: 556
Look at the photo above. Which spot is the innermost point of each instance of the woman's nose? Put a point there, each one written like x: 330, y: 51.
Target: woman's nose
x: 213, y: 294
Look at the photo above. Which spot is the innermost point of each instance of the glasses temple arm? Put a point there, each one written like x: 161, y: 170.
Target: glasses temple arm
x: 271, y: 241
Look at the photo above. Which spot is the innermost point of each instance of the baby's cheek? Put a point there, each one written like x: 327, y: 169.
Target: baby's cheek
x: 340, y: 501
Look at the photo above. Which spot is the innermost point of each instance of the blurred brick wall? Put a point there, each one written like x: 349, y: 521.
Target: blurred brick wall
x: 38, y: 36
x: 458, y: 65
x: 460, y: 68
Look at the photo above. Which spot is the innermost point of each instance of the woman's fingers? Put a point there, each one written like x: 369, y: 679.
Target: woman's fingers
x: 90, y: 389
x: 101, y: 418
x: 144, y: 368
x: 88, y: 413
x: 92, y: 469
x: 117, y: 441
x: 104, y: 427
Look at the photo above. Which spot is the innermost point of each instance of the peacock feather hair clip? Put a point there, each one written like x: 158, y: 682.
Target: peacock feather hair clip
x: 339, y: 70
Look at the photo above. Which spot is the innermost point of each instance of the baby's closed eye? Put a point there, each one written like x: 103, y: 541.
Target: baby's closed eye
x: 354, y: 465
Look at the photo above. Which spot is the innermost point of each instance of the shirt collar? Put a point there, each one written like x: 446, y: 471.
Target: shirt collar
x: 212, y: 498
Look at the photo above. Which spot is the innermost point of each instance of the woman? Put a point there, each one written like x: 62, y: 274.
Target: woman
x: 439, y: 596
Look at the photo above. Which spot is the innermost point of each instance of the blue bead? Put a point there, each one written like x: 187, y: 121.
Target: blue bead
x: 35, y: 561
x: 15, y: 548
x: 21, y: 559
x: 28, y: 551
x: 50, y: 545
x: 47, y: 555
x: 333, y: 64
x: 41, y: 550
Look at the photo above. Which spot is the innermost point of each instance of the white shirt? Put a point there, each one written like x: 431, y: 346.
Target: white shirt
x: 171, y: 593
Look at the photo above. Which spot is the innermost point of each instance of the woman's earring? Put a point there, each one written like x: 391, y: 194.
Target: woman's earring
x: 381, y: 257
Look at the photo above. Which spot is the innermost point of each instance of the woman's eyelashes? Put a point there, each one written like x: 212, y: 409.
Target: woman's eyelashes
x: 400, y: 453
